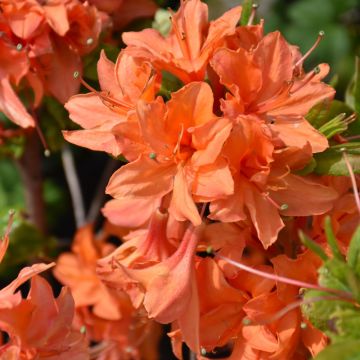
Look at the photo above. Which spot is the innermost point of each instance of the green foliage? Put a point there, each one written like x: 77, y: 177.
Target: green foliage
x: 26, y: 244
x: 331, y: 161
x: 337, y: 312
x: 346, y: 350
x: 11, y: 190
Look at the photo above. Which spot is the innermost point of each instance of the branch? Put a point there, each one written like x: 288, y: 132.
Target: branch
x: 74, y: 185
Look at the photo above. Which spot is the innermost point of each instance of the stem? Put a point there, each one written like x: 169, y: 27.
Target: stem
x: 99, y: 196
x: 192, y: 355
x: 283, y: 279
x: 30, y: 169
x: 74, y: 185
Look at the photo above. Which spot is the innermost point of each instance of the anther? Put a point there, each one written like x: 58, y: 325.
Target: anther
x: 19, y: 47
x: 203, y: 351
x: 83, y: 329
x: 317, y: 70
x: 76, y: 74
x: 89, y: 41
x: 246, y: 321
x: 284, y: 207
x: 152, y: 155
x: 303, y: 325
x: 209, y: 250
x: 47, y: 153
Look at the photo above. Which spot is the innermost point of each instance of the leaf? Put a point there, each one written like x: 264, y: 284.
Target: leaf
x: 334, y: 274
x: 346, y: 324
x: 313, y: 246
x: 319, y: 311
x: 346, y: 350
x: 331, y: 161
x: 246, y: 12
x: 324, y: 112
x: 331, y: 239
x: 353, y: 254
x: 337, y: 125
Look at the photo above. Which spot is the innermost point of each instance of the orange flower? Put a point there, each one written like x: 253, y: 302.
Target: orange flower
x: 122, y: 85
x: 40, y: 326
x: 263, y: 182
x: 264, y: 82
x: 77, y: 270
x: 185, y: 52
x: 167, y: 289
x: 44, y: 43
x: 182, y: 141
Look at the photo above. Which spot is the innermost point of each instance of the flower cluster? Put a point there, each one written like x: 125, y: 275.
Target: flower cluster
x: 217, y: 166
x: 38, y: 326
x: 40, y: 47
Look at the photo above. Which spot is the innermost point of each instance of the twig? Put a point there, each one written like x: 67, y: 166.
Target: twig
x: 99, y: 196
x: 74, y: 185
x: 192, y: 355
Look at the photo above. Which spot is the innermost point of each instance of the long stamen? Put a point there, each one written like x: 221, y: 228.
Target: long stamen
x: 278, y: 315
x: 283, y: 279
x: 253, y: 13
x: 307, y: 54
x: 353, y: 180
x: 101, y: 95
x: 181, y: 134
x: 306, y: 80
x: 273, y: 202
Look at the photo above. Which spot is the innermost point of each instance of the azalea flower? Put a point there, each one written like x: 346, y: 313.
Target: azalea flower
x: 122, y: 85
x: 77, y: 270
x: 44, y: 43
x: 185, y: 52
x: 269, y: 87
x: 40, y: 326
x: 182, y: 141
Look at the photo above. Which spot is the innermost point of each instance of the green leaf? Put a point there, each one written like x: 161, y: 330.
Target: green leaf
x: 334, y: 126
x: 331, y: 161
x: 313, y: 246
x: 319, y: 309
x: 353, y: 255
x: 246, y: 12
x: 334, y: 274
x: 346, y: 324
x: 324, y: 112
x: 331, y: 239
x: 346, y: 350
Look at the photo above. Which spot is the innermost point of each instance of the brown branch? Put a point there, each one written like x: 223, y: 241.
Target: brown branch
x: 30, y: 169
